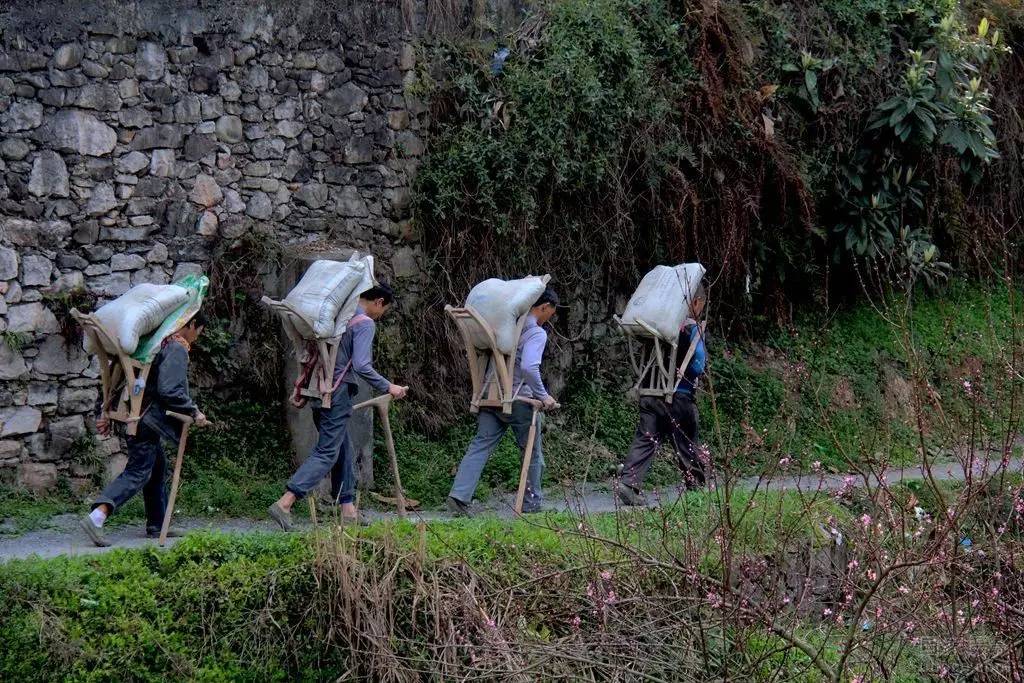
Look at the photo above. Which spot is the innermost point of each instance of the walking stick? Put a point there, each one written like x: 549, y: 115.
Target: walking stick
x: 186, y: 421
x: 528, y: 451
x: 382, y: 403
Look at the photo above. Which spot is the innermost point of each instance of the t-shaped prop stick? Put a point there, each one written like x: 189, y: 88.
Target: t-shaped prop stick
x: 382, y: 404
x: 528, y: 450
x: 186, y: 422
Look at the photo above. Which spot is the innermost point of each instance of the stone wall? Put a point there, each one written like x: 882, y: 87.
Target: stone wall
x: 136, y: 136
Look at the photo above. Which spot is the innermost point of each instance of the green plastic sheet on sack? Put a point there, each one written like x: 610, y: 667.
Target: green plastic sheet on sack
x: 149, y: 346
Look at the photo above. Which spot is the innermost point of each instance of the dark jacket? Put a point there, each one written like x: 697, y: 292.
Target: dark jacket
x: 166, y: 390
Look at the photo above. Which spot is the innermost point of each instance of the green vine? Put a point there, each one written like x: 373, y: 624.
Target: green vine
x: 62, y: 303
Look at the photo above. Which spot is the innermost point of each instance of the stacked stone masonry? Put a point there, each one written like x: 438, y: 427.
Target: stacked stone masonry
x: 130, y: 146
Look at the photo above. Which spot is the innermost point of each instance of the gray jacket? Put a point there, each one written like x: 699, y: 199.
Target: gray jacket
x: 355, y: 354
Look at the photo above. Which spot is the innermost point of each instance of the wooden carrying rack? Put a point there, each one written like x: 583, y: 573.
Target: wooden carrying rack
x: 119, y: 374
x: 653, y: 359
x: 485, y: 358
x: 320, y: 383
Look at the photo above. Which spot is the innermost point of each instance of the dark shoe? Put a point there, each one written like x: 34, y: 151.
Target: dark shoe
x: 531, y: 503
x: 94, y: 532
x: 629, y: 496
x: 530, y: 508
x: 172, y: 532
x: 457, y: 508
x: 284, y: 519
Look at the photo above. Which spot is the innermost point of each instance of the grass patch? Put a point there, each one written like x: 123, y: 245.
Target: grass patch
x: 262, y: 606
x: 21, y: 512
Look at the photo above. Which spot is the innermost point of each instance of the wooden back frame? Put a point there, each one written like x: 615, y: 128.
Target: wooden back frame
x: 116, y: 369
x: 321, y: 380
x: 492, y: 394
x: 654, y: 360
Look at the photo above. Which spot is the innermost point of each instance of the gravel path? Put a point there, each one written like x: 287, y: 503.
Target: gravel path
x: 62, y: 535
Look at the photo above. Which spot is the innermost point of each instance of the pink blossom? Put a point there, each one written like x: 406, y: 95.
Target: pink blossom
x: 967, y: 387
x: 784, y: 462
x: 715, y: 599
x: 865, y: 520
x: 827, y: 612
x: 576, y: 622
x: 606, y: 575
x: 816, y: 466
x: 871, y: 575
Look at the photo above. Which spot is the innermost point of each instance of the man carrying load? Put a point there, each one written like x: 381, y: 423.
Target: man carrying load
x: 333, y: 452
x: 675, y: 421
x: 166, y: 391
x: 492, y: 422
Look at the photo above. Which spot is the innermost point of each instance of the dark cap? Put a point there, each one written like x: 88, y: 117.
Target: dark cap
x: 548, y: 297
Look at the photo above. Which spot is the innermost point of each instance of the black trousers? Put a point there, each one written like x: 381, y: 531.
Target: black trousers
x: 146, y: 471
x: 674, y: 422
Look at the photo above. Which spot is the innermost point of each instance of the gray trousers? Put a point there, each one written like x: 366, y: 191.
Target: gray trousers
x: 333, y: 451
x: 491, y: 427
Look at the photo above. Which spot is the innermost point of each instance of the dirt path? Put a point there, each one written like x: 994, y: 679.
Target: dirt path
x: 63, y: 537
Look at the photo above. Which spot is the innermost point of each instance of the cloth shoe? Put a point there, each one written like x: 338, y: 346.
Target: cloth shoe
x: 94, y: 532
x: 457, y: 508
x: 283, y: 519
x: 629, y: 496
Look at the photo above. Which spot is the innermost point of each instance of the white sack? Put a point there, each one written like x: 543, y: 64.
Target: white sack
x: 501, y: 303
x: 663, y: 299
x: 322, y: 293
x: 348, y: 309
x: 136, y: 313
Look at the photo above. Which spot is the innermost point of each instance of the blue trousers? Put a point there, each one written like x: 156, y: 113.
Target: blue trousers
x: 333, y: 452
x: 491, y: 427
x: 146, y: 471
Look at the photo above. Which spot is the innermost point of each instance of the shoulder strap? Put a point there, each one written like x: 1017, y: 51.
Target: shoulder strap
x: 689, y: 353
